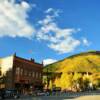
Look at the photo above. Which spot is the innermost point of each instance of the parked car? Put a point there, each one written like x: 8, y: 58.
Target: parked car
x: 9, y: 93
x: 56, y: 89
x: 40, y: 93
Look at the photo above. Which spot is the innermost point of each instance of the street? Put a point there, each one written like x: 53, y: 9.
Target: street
x: 66, y: 96
x: 95, y: 97
x: 43, y: 98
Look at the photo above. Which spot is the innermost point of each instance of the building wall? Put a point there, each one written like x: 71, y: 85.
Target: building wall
x: 27, y: 73
x: 21, y: 72
x: 6, y: 64
x: 0, y: 67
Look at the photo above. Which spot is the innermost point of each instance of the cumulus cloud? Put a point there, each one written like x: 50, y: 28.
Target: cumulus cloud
x: 65, y: 46
x: 13, y: 23
x: 13, y: 19
x: 59, y: 39
x: 48, y: 61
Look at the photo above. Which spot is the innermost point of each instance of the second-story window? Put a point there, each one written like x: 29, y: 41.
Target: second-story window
x: 21, y: 72
x: 30, y: 74
x: 25, y: 72
x: 33, y: 74
x: 17, y: 71
x: 36, y: 74
x: 40, y: 75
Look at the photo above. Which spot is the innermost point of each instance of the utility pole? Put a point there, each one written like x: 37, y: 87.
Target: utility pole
x: 47, y: 78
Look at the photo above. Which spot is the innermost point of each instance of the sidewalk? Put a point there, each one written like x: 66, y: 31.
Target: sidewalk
x: 95, y: 97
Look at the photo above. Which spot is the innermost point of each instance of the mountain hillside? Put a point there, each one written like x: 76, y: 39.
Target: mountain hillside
x: 83, y: 62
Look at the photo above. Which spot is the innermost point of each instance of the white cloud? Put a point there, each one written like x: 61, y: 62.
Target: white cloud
x: 49, y: 10
x: 13, y: 19
x: 48, y: 61
x: 58, y: 39
x: 53, y: 11
x: 65, y: 46
x: 13, y: 23
x: 25, y: 5
x: 86, y: 42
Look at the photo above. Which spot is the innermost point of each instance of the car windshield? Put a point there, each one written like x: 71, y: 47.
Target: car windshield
x: 10, y: 91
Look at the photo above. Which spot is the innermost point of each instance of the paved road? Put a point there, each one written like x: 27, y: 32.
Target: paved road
x: 64, y: 96
x: 43, y: 98
x: 95, y: 97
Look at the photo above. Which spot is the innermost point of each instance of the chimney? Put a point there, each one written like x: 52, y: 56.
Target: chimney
x: 15, y: 54
x: 42, y: 63
x: 32, y: 60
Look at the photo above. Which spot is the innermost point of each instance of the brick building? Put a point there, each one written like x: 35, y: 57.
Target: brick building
x: 20, y: 73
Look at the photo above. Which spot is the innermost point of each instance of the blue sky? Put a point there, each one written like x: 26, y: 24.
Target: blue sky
x: 48, y: 30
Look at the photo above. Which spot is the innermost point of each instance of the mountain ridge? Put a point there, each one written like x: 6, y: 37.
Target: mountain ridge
x: 90, y: 61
